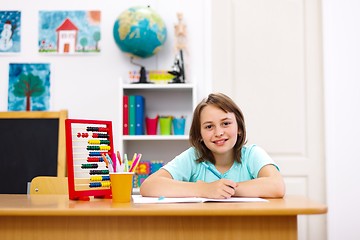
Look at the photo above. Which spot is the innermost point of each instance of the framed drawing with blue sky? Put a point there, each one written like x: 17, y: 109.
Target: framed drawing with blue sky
x: 29, y: 87
x: 10, y: 26
x: 69, y: 32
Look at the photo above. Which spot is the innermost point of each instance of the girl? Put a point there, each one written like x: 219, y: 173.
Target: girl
x: 218, y: 165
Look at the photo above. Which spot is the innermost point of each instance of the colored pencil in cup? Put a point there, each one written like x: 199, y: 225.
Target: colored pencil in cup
x: 126, y: 163
x: 135, y: 163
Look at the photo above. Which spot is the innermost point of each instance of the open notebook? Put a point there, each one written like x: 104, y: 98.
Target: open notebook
x: 141, y: 199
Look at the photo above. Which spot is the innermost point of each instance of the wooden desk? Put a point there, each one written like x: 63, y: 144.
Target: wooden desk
x: 56, y: 217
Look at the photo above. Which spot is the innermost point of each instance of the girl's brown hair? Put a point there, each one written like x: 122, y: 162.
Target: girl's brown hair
x: 226, y: 104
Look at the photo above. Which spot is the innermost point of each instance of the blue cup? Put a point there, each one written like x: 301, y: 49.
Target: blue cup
x: 179, y: 126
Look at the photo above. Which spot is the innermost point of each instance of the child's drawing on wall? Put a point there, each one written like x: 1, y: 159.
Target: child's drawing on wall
x: 10, y: 31
x: 69, y: 32
x: 29, y: 87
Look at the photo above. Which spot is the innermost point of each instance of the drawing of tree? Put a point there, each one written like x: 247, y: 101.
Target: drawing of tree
x: 97, y: 37
x: 28, y: 86
x: 83, y: 43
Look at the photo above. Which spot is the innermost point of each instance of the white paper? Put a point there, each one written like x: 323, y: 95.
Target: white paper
x: 141, y: 199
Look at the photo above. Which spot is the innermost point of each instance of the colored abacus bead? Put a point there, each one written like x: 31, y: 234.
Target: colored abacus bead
x: 102, y: 129
x: 97, y: 129
x: 89, y: 165
x: 100, y: 184
x: 95, y: 178
x: 91, y: 154
x: 94, y: 159
x: 98, y: 172
x: 98, y: 141
x: 106, y: 184
x: 94, y: 184
x: 100, y: 135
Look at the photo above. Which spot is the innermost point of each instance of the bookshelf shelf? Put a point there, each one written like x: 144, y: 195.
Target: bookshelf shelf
x: 154, y: 137
x: 159, y: 86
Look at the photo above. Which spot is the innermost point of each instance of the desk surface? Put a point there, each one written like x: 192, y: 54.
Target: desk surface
x: 60, y: 205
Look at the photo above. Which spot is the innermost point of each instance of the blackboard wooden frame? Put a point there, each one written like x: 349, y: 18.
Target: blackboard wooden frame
x: 56, y: 121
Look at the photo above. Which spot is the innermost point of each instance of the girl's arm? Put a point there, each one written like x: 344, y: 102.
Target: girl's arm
x: 268, y: 184
x: 161, y: 183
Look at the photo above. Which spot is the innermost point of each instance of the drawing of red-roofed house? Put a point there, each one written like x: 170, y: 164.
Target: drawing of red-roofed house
x: 66, y: 37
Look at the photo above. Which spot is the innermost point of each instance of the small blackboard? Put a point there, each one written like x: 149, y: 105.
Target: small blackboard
x: 32, y: 144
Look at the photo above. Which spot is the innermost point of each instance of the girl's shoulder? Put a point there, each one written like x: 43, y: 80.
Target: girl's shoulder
x: 251, y: 151
x: 247, y: 149
x: 190, y: 152
x: 187, y: 155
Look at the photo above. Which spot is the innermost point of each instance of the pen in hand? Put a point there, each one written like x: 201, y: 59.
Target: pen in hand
x: 213, y: 171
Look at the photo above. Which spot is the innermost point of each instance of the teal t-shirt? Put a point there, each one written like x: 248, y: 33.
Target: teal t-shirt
x: 185, y: 168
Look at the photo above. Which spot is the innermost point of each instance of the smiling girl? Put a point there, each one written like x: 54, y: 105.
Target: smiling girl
x: 219, y: 164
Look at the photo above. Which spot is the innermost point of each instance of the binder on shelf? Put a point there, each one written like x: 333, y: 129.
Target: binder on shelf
x: 125, y: 115
x: 132, y: 112
x: 139, y: 115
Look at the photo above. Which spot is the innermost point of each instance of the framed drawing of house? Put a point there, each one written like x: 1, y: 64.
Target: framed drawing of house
x: 69, y: 32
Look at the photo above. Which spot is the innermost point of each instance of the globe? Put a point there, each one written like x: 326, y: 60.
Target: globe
x: 139, y: 32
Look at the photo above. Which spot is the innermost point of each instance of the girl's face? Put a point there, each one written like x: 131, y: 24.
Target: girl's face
x: 219, y: 130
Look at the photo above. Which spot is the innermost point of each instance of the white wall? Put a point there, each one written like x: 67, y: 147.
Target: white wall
x: 342, y: 98
x: 75, y: 80
x: 88, y: 86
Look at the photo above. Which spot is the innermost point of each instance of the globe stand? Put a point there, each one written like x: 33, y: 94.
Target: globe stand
x: 143, y: 79
x: 143, y: 76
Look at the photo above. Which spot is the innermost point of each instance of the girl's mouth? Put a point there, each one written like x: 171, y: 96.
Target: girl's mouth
x: 220, y: 141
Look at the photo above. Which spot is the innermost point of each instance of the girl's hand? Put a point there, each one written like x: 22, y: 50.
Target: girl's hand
x: 222, y: 188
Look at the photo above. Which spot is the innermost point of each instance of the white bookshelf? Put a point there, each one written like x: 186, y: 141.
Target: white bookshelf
x: 160, y: 99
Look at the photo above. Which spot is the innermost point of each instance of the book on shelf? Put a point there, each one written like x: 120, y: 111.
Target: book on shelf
x: 139, y: 115
x: 132, y: 112
x: 125, y: 115
x: 133, y: 115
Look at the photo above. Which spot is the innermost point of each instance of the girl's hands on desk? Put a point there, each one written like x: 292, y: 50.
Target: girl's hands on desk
x: 161, y: 183
x: 222, y: 188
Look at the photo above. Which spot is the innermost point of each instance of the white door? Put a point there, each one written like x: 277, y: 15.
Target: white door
x: 266, y: 54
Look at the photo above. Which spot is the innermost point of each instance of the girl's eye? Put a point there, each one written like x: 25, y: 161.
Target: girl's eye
x: 226, y: 123
x: 208, y: 126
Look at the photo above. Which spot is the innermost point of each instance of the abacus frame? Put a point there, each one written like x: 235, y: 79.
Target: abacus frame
x: 83, y: 194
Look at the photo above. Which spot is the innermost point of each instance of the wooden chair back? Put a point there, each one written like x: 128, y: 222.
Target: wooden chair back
x: 49, y: 185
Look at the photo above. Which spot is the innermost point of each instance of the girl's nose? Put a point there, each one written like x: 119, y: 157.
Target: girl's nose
x: 219, y: 133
